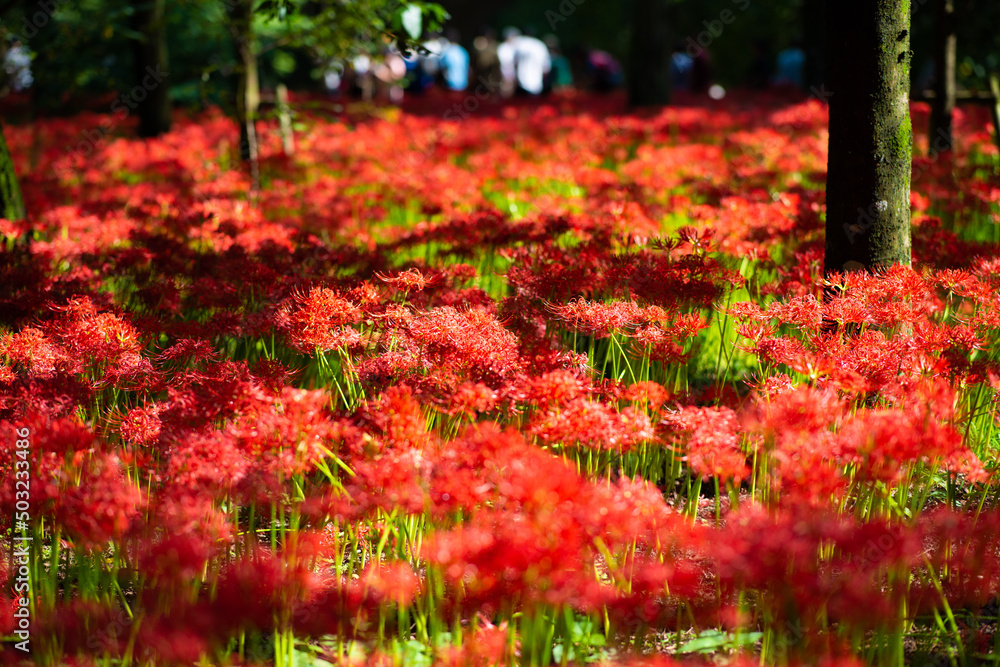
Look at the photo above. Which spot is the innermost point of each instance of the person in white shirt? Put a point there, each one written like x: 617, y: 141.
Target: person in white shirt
x: 524, y: 62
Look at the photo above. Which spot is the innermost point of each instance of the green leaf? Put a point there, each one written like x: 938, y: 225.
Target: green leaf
x: 713, y: 640
x: 413, y: 18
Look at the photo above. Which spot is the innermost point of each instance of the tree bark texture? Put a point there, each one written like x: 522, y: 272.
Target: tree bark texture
x: 871, y: 140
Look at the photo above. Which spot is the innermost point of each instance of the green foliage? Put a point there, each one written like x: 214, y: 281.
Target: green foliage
x: 341, y: 28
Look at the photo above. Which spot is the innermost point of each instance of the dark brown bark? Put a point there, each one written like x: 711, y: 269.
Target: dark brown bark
x: 649, y: 60
x: 943, y: 106
x: 868, y: 177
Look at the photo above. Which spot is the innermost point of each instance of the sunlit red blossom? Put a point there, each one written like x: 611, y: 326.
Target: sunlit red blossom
x: 881, y: 445
x: 470, y: 399
x: 318, y: 320
x: 509, y: 558
x: 659, y: 344
x: 206, y: 463
x: 391, y: 583
x: 288, y: 432
x: 592, y: 425
x: 486, y: 645
x: 775, y: 385
x: 472, y: 344
x: 93, y: 504
x: 895, y: 296
x: 712, y: 446
x: 650, y: 394
x: 598, y: 319
x: 797, y: 431
x: 195, y: 350
x: 555, y: 389
x: 174, y: 560
x: 97, y: 337
x: 778, y: 554
x: 261, y: 591
x: 964, y: 551
x: 411, y: 280
x: 397, y: 419
x: 805, y: 312
x: 33, y: 350
x: 179, y: 512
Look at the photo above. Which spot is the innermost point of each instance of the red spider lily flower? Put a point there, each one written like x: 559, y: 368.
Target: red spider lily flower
x: 470, y: 399
x: 962, y: 554
x: 318, y: 320
x: 411, y: 280
x: 33, y: 350
x: 555, y: 389
x: 473, y: 345
x: 593, y: 425
x: 486, y: 645
x: 712, y: 446
x: 599, y: 319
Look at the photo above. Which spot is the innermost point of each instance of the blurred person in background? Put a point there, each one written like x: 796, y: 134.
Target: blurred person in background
x: 454, y: 63
x: 680, y: 67
x: 17, y: 65
x: 524, y: 62
x: 701, y: 72
x: 605, y: 72
x: 791, y: 66
x: 561, y: 75
x: 486, y: 62
x: 390, y: 74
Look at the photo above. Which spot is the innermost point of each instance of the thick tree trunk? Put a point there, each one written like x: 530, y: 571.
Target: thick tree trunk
x: 247, y: 85
x: 649, y: 60
x: 814, y: 32
x: 11, y: 202
x: 150, y: 68
x: 943, y: 107
x: 868, y: 177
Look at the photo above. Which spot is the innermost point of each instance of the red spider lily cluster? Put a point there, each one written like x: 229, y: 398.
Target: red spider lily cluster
x: 550, y: 384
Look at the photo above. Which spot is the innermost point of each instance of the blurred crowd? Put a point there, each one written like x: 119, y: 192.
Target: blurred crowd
x: 517, y: 63
x: 512, y: 64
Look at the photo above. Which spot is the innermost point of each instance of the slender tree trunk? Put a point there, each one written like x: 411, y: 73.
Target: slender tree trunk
x: 943, y: 108
x: 11, y: 202
x: 649, y: 60
x: 868, y: 176
x: 285, y: 120
x: 151, y: 69
x: 247, y: 85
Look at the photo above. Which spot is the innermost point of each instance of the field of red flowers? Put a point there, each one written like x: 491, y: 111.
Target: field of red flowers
x: 546, y: 384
